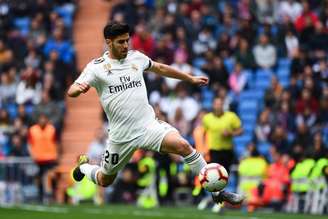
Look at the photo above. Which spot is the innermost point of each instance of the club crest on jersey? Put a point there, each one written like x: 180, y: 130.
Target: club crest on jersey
x: 134, y: 67
x: 107, y: 68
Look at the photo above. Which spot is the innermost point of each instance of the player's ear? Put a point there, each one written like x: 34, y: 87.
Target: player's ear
x: 108, y: 42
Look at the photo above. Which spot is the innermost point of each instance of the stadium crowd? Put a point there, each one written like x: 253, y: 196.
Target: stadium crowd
x: 266, y: 60
x: 37, y: 61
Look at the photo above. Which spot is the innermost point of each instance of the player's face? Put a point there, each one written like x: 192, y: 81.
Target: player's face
x: 217, y: 105
x: 120, y: 46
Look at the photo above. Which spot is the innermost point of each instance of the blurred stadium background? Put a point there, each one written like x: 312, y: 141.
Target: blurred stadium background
x: 266, y: 58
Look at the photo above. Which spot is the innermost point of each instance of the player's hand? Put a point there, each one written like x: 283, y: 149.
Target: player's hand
x: 226, y: 133
x: 199, y: 80
x: 83, y: 87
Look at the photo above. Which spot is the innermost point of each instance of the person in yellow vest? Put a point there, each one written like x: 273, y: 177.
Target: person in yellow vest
x: 43, y: 149
x: 252, y: 170
x: 221, y: 126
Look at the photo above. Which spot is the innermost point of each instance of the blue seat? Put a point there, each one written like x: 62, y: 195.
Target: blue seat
x: 229, y: 63
x: 207, y: 104
x: 284, y: 62
x: 242, y: 140
x: 248, y: 105
x: 249, y: 128
x: 248, y: 117
x: 198, y: 62
x: 23, y: 25
x: 284, y: 80
x: 262, y: 84
x: 263, y: 79
x: 281, y: 72
x: 239, y: 150
x: 207, y: 94
x: 264, y: 148
x: 250, y: 77
x: 263, y: 74
x: 251, y: 94
x: 12, y: 110
x: 29, y: 109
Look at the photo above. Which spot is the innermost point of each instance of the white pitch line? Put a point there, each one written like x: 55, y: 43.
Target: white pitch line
x: 39, y: 208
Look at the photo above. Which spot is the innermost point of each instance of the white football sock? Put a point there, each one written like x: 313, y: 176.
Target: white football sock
x: 196, y: 161
x: 90, y: 171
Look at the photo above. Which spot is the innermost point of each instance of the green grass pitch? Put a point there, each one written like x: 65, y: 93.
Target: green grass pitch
x: 131, y: 212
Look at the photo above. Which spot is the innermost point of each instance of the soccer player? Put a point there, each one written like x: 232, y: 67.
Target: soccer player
x: 118, y: 78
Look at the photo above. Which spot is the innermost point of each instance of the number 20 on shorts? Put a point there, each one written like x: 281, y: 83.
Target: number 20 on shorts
x: 111, y: 158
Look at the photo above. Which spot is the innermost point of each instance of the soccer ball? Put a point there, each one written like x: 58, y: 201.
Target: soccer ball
x: 213, y: 177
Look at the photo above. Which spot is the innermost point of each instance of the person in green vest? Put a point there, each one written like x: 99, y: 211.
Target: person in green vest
x: 82, y: 191
x: 301, y: 183
x: 147, y: 181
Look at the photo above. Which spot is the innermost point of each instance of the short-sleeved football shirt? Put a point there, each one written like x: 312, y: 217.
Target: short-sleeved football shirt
x: 215, y: 127
x: 122, y: 91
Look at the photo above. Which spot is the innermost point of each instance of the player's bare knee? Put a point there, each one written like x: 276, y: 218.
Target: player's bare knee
x: 105, y: 180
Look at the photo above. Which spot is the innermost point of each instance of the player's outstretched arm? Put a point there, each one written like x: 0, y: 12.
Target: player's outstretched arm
x: 168, y: 71
x: 77, y: 88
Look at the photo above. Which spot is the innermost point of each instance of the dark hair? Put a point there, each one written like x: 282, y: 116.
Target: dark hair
x: 115, y: 29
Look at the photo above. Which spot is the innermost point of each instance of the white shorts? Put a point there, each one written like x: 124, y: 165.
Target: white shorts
x: 116, y: 156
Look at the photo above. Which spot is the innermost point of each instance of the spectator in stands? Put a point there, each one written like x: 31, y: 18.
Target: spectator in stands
x: 164, y: 49
x: 37, y: 34
x: 290, y: 8
x: 243, y: 54
x: 8, y: 86
x: 319, y: 38
x: 217, y: 72
x: 303, y: 137
x: 265, y: 11
x: 155, y: 25
x: 180, y: 63
x: 285, y: 117
x: 181, y: 123
x: 29, y: 89
x: 263, y: 127
x: 221, y: 126
x: 205, y: 41
x: 23, y: 115
x: 49, y: 108
x: 273, y: 93
x: 43, y: 149
x: 32, y: 59
x: 306, y: 101
x: 142, y: 40
x: 17, y: 147
x: 322, y: 119
x: 59, y: 44
x: 96, y: 147
x: 265, y: 53
x: 307, y: 19
x: 237, y: 80
x: 319, y: 149
x: 223, y: 46
x: 278, y: 138
x: 6, y: 55
x: 291, y: 43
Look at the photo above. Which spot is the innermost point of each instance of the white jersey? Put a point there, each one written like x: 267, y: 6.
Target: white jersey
x: 122, y: 91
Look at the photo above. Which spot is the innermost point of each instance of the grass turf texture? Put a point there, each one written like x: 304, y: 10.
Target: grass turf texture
x: 131, y: 212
